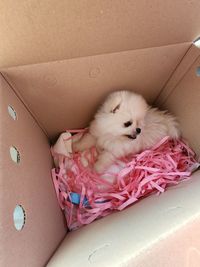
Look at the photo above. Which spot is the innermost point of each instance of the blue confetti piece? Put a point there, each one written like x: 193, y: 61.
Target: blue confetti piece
x: 75, y: 199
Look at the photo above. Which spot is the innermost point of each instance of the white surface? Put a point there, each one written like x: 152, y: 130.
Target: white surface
x: 122, y: 236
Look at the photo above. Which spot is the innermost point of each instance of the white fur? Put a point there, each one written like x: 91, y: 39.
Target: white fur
x: 108, y: 133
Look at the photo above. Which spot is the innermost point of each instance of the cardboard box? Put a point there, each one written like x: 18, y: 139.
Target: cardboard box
x: 58, y: 59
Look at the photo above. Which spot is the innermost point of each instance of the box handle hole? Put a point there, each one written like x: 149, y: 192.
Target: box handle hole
x: 12, y: 112
x: 19, y: 217
x: 14, y: 154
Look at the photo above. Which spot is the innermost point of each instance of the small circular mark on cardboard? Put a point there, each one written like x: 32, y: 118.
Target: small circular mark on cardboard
x: 14, y: 154
x: 19, y: 217
x: 94, y: 72
x: 12, y: 112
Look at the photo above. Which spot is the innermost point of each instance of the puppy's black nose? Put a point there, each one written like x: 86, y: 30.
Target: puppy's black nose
x: 138, y: 130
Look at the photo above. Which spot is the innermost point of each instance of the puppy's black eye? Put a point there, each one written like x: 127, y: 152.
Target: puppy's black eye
x: 128, y: 123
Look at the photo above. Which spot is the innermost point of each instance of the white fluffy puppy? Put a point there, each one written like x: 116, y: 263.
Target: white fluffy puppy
x: 125, y: 124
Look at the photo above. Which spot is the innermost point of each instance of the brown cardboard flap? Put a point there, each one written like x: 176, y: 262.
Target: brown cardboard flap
x: 178, y: 74
x: 40, y: 31
x: 27, y: 183
x: 65, y: 94
x: 184, y: 101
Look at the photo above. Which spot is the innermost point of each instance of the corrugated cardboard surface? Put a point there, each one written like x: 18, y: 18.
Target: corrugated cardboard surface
x: 34, y: 31
x: 65, y: 94
x: 188, y: 60
x: 29, y: 184
x: 184, y: 101
x: 180, y: 249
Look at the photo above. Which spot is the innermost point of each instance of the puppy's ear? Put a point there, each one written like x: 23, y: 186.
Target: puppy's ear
x: 115, y: 109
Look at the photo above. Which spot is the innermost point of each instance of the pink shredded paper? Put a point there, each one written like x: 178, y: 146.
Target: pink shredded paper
x: 152, y: 171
